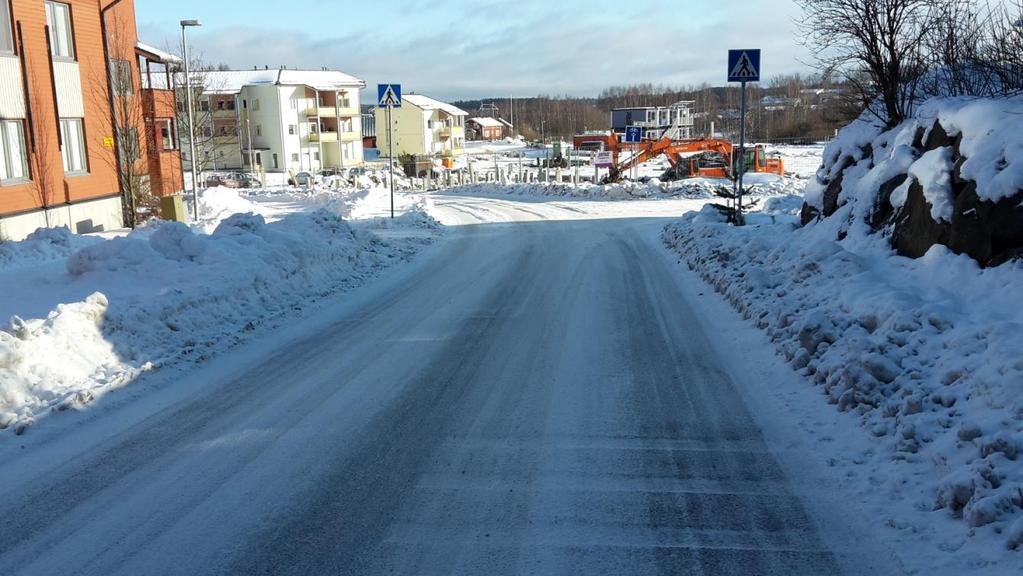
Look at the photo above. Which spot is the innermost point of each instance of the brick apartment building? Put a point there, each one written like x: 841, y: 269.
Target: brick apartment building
x: 75, y: 138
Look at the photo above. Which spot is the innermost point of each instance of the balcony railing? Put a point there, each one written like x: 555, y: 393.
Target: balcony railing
x: 333, y: 136
x: 329, y: 111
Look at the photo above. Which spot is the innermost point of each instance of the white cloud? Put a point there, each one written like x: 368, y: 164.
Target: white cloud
x: 524, y: 48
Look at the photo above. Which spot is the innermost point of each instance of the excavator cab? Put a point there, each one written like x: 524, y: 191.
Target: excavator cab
x: 756, y: 159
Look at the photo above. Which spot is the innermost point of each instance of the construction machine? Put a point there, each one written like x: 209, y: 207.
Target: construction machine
x: 692, y: 157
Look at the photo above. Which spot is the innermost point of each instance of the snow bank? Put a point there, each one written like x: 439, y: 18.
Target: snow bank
x: 762, y: 185
x: 43, y: 245
x: 927, y: 353
x: 166, y: 293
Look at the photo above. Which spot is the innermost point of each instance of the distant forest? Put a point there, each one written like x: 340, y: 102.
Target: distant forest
x: 787, y: 107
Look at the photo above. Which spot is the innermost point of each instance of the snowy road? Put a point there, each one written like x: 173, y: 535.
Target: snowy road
x: 535, y: 397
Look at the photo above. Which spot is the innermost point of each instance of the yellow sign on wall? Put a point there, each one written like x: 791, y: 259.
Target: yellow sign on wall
x: 108, y: 142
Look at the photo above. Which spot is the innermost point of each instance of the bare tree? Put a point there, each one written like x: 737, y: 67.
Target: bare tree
x: 131, y: 130
x: 1004, y: 51
x: 877, y: 45
x: 203, y: 80
x: 46, y: 148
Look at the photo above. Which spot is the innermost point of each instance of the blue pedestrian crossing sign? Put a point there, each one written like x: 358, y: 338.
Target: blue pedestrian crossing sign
x: 744, y: 65
x: 633, y: 134
x: 389, y: 95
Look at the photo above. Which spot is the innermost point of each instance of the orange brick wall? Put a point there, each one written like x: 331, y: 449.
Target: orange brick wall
x: 49, y: 185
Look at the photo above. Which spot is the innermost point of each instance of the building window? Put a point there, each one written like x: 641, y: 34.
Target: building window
x: 58, y: 19
x: 165, y: 133
x: 73, y: 150
x: 6, y: 31
x: 316, y: 156
x: 129, y: 145
x: 255, y: 104
x: 13, y: 157
x: 294, y: 157
x: 276, y: 165
x: 120, y: 77
x: 204, y: 105
x: 259, y: 129
x: 291, y: 129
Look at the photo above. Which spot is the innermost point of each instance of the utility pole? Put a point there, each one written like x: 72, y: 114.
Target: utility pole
x: 191, y: 118
x: 390, y: 156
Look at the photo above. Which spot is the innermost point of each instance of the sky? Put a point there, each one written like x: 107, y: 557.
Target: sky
x: 463, y: 49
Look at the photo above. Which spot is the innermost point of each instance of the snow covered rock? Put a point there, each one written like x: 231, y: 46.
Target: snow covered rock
x: 951, y: 175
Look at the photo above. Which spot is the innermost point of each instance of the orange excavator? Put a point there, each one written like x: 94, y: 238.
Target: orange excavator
x: 693, y: 157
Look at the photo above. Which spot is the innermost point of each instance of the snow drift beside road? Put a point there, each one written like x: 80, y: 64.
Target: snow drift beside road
x: 927, y: 353
x: 165, y: 293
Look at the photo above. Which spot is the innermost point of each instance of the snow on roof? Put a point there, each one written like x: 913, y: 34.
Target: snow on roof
x: 232, y: 81
x: 427, y: 103
x: 165, y: 57
x: 487, y: 122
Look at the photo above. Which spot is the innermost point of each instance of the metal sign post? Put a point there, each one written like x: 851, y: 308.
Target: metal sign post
x: 389, y: 96
x: 633, y: 136
x: 743, y: 66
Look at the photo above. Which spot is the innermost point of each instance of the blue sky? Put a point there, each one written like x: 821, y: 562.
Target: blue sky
x: 465, y: 49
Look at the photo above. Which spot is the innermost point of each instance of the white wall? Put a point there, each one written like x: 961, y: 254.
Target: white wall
x: 87, y: 216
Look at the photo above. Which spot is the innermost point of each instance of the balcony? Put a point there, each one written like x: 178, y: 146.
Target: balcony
x: 328, y: 110
x: 333, y: 137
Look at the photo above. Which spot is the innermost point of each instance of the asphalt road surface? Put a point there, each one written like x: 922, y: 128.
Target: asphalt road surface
x: 535, y: 398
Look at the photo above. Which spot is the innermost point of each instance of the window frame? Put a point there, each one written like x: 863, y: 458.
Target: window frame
x: 6, y: 29
x: 64, y: 31
x: 74, y: 142
x: 5, y: 152
x: 167, y: 140
x: 119, y: 70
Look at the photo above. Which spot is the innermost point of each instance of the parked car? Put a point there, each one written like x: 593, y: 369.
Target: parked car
x: 241, y: 180
x: 214, y: 180
x: 306, y: 179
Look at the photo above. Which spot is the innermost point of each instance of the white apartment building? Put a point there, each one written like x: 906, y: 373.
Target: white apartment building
x: 281, y: 120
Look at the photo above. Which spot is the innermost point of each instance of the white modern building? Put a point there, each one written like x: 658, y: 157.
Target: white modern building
x: 282, y: 120
x: 675, y: 121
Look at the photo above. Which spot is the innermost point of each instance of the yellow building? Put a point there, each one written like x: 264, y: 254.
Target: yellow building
x: 423, y: 126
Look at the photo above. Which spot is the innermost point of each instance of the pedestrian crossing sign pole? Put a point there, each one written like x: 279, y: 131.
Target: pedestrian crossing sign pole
x: 743, y: 66
x: 389, y: 96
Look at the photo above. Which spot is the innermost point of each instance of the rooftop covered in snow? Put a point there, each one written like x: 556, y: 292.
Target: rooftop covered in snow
x: 427, y: 103
x: 232, y: 81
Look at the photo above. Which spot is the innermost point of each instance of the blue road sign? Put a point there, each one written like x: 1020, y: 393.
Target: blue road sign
x: 633, y: 134
x: 744, y: 65
x: 389, y: 95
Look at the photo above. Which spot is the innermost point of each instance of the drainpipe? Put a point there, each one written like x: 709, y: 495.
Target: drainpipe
x: 113, y: 109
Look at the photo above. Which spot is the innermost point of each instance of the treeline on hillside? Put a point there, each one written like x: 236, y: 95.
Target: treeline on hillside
x: 894, y: 54
x: 786, y: 107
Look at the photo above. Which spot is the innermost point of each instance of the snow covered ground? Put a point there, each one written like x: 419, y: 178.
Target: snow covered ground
x: 925, y: 356
x: 759, y: 186
x: 90, y: 314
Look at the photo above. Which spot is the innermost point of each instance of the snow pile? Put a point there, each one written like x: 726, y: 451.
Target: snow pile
x: 216, y: 204
x: 45, y: 244
x: 952, y: 175
x: 926, y: 353
x: 758, y: 185
x: 166, y: 293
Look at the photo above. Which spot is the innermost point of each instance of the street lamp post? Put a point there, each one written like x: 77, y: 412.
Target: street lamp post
x: 191, y: 119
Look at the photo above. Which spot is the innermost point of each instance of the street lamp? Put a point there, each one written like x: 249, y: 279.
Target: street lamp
x: 191, y: 121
